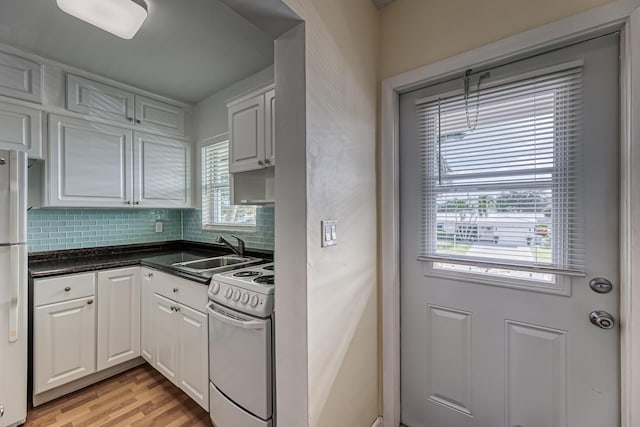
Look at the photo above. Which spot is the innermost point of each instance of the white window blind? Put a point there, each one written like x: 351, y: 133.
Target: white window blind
x: 502, y: 172
x: 217, y: 209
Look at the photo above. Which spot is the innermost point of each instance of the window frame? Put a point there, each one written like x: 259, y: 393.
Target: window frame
x: 204, y: 185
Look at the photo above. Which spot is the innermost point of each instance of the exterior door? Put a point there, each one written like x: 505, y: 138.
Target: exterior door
x: 489, y: 345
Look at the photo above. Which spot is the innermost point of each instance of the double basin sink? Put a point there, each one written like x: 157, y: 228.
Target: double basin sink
x: 219, y: 264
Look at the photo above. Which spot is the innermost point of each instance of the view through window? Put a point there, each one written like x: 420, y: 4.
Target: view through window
x: 500, y: 178
x: 217, y: 210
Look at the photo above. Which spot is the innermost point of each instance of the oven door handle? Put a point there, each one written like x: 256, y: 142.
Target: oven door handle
x: 250, y: 324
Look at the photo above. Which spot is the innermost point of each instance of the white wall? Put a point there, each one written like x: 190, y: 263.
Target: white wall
x: 210, y: 115
x: 342, y: 329
x: 419, y: 32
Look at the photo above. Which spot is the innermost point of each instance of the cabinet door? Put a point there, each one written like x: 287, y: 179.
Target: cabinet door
x: 118, y: 316
x: 64, y: 342
x: 20, y: 78
x: 270, y: 128
x: 165, y: 337
x: 162, y: 172
x: 90, y: 164
x: 194, y: 354
x: 246, y: 134
x: 99, y: 100
x: 146, y: 318
x: 153, y: 114
x: 21, y: 129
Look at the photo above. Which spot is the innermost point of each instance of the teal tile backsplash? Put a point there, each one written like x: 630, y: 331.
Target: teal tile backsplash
x: 261, y: 238
x: 54, y: 229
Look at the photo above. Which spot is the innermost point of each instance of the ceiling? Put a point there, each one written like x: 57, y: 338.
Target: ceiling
x: 186, y: 49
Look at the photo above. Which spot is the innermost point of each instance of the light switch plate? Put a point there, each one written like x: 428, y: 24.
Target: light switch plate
x: 329, y: 235
x: 159, y: 226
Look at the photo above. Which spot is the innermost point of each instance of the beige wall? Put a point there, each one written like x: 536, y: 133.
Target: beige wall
x: 419, y: 32
x: 341, y: 80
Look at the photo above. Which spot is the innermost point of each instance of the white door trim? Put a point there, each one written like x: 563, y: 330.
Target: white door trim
x: 617, y: 14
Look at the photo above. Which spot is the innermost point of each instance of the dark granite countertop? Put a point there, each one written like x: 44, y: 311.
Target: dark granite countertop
x: 156, y: 255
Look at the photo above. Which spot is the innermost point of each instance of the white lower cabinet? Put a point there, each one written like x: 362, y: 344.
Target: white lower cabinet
x: 89, y: 322
x: 179, y: 332
x: 118, y: 316
x: 84, y: 323
x: 146, y: 315
x: 64, y: 342
x: 193, y: 339
x: 166, y: 337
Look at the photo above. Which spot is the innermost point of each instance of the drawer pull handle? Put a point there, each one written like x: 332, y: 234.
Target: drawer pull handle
x: 67, y: 289
x: 150, y: 275
x: 90, y: 302
x: 175, y: 290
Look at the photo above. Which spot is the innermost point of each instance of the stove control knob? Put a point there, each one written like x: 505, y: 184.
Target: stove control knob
x: 254, y: 300
x: 228, y: 292
x: 236, y: 295
x: 215, y: 288
x: 245, y: 298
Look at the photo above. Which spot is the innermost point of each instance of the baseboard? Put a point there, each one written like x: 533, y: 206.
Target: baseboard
x: 377, y: 422
x: 49, y: 395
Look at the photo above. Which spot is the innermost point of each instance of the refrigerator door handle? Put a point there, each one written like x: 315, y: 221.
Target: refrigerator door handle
x: 17, y: 201
x: 14, y: 302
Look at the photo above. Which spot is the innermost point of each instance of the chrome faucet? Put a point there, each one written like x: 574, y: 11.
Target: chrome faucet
x: 239, y: 250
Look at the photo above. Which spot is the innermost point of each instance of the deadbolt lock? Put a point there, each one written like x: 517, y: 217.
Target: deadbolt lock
x: 601, y: 285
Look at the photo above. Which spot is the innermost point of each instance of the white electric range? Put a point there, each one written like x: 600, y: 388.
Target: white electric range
x: 241, y: 311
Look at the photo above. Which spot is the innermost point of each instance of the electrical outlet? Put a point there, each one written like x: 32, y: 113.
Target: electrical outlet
x: 159, y: 226
x: 329, y: 232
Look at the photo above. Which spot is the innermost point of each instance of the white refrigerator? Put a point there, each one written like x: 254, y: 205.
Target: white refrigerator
x: 13, y: 288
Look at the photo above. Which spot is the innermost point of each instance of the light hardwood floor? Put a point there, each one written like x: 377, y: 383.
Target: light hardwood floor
x: 139, y: 397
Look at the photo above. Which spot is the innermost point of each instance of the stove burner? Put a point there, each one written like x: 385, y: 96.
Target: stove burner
x: 269, y: 267
x: 265, y: 280
x: 249, y: 273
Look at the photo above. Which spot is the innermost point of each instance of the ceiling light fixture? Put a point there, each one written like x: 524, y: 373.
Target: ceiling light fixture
x: 122, y: 18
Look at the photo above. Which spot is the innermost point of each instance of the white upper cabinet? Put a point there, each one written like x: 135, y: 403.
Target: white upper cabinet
x: 251, y: 132
x: 246, y: 134
x: 153, y: 114
x: 95, y: 165
x: 20, y: 78
x: 163, y: 172
x: 90, y: 164
x: 21, y: 129
x: 99, y: 100
x: 270, y: 128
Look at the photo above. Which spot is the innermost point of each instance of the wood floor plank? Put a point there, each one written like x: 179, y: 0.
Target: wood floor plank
x: 140, y: 397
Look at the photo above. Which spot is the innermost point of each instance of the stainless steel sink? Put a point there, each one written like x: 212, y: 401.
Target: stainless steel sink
x: 217, y: 264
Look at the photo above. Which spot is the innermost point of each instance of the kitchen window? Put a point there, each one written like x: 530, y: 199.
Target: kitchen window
x: 217, y: 210
x: 500, y: 171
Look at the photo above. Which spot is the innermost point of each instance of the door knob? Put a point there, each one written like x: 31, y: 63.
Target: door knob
x: 602, y: 319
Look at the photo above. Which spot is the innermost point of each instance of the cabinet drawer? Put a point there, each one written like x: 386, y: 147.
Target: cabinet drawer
x: 194, y: 295
x: 189, y: 293
x: 63, y: 288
